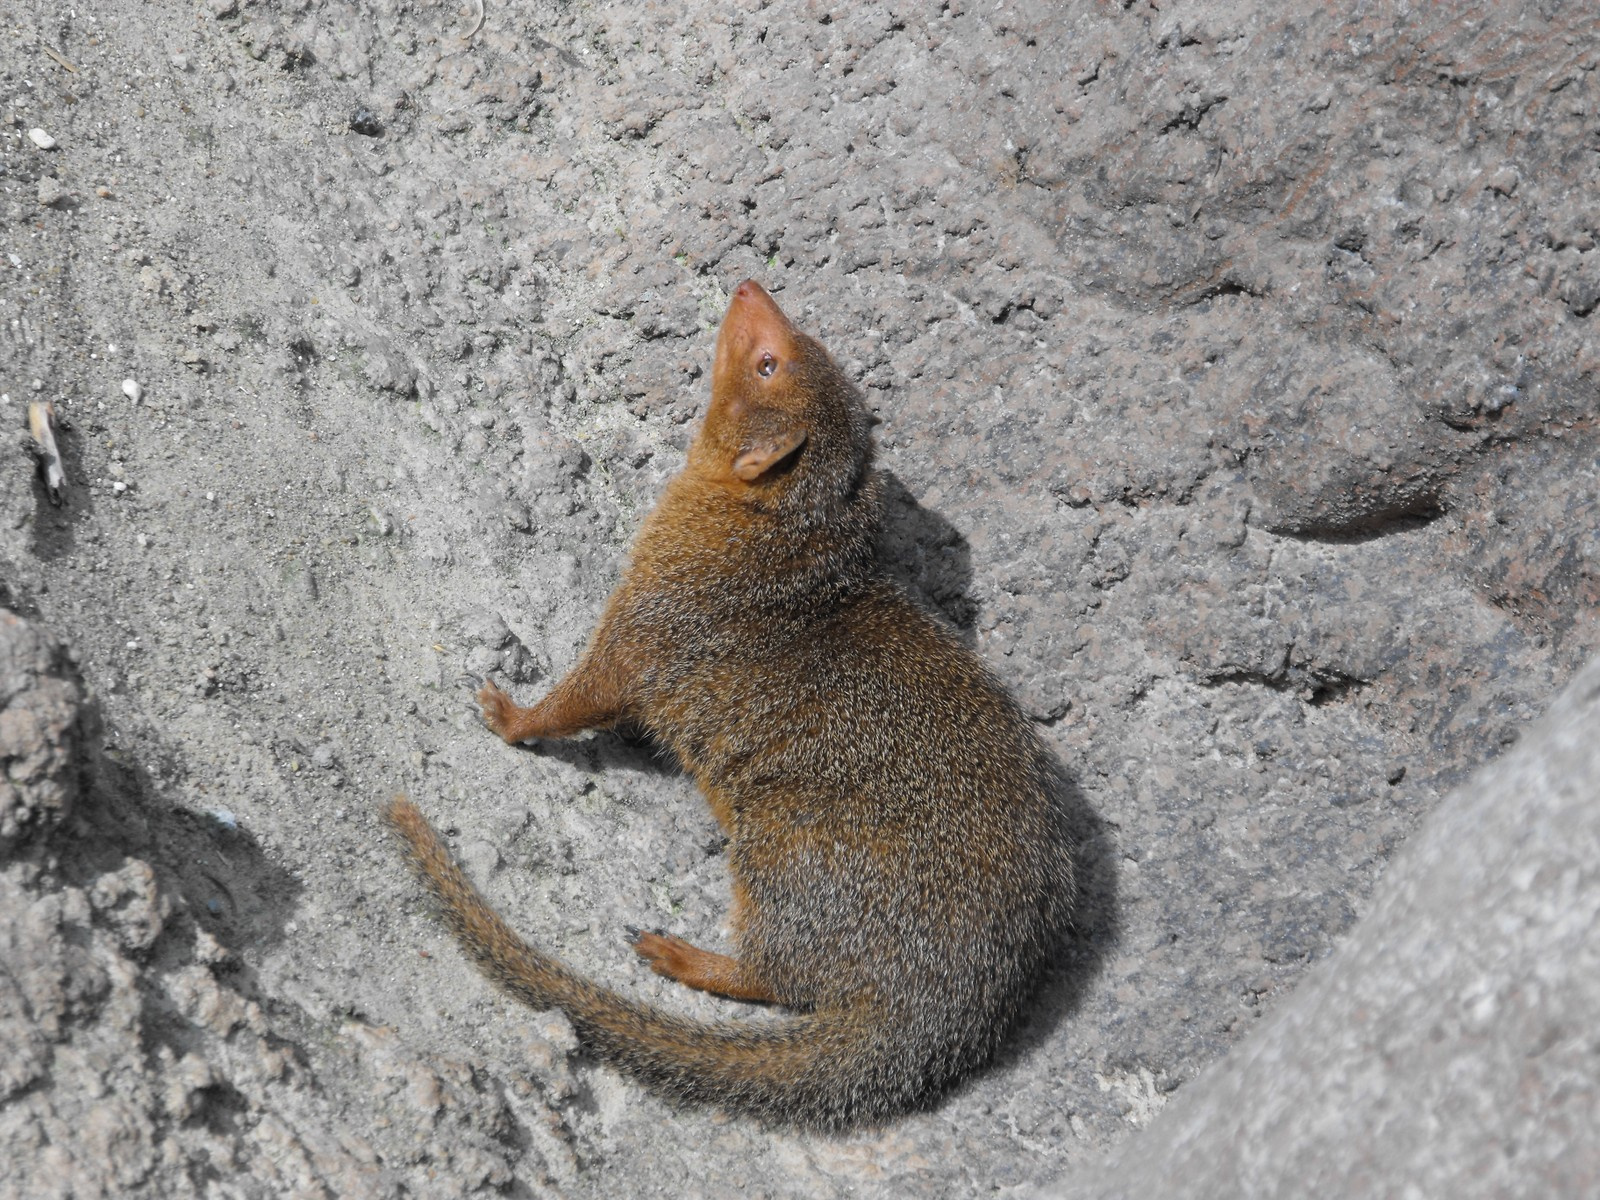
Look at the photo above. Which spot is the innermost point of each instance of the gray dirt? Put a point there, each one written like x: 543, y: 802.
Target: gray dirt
x: 1237, y: 373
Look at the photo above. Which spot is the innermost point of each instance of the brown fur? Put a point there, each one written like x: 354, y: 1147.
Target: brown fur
x: 899, y: 877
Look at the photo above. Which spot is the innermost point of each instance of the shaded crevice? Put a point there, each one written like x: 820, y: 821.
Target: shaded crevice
x: 1010, y: 308
x: 1227, y: 286
x: 1357, y: 531
x: 1190, y: 115
x: 1318, y: 687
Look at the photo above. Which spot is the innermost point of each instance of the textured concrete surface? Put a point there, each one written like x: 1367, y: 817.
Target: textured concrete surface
x: 1448, y: 1047
x: 1235, y: 368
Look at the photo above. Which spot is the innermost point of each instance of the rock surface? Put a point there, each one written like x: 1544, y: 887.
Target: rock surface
x: 1447, y: 1048
x: 38, y: 732
x: 1236, y: 370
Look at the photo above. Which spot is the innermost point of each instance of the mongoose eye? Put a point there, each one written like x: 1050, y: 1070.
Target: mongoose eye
x: 767, y: 367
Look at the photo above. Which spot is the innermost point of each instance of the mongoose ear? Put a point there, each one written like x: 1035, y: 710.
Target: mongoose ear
x: 766, y: 453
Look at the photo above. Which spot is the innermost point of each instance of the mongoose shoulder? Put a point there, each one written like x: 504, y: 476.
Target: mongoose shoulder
x: 899, y: 874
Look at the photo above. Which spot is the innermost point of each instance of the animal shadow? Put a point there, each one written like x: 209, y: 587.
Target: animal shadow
x: 927, y: 556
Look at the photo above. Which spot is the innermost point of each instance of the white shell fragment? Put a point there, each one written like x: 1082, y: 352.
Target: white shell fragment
x: 41, y: 423
x: 41, y: 139
x: 132, y: 390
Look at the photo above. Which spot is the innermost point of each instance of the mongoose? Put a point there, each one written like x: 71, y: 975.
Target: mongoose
x: 899, y: 876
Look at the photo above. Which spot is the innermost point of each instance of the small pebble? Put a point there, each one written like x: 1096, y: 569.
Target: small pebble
x: 119, y: 487
x: 51, y: 193
x: 365, y: 122
x: 41, y: 139
x: 132, y: 390
x: 223, y: 817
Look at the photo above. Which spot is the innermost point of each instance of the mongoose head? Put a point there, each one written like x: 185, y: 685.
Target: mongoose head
x: 783, y: 415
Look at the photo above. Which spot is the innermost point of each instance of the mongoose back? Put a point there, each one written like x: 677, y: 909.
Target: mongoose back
x: 899, y: 877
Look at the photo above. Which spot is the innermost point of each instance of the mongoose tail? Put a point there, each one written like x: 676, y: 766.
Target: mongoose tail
x: 827, y: 1070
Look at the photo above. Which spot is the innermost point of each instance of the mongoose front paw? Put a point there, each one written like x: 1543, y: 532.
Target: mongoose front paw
x: 667, y: 955
x: 499, y: 710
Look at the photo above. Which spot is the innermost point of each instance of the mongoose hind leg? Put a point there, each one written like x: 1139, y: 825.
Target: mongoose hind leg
x: 718, y: 973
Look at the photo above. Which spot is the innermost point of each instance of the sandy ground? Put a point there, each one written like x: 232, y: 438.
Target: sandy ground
x: 1236, y: 369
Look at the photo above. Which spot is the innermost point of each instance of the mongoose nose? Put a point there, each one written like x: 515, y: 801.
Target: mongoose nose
x: 754, y: 317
